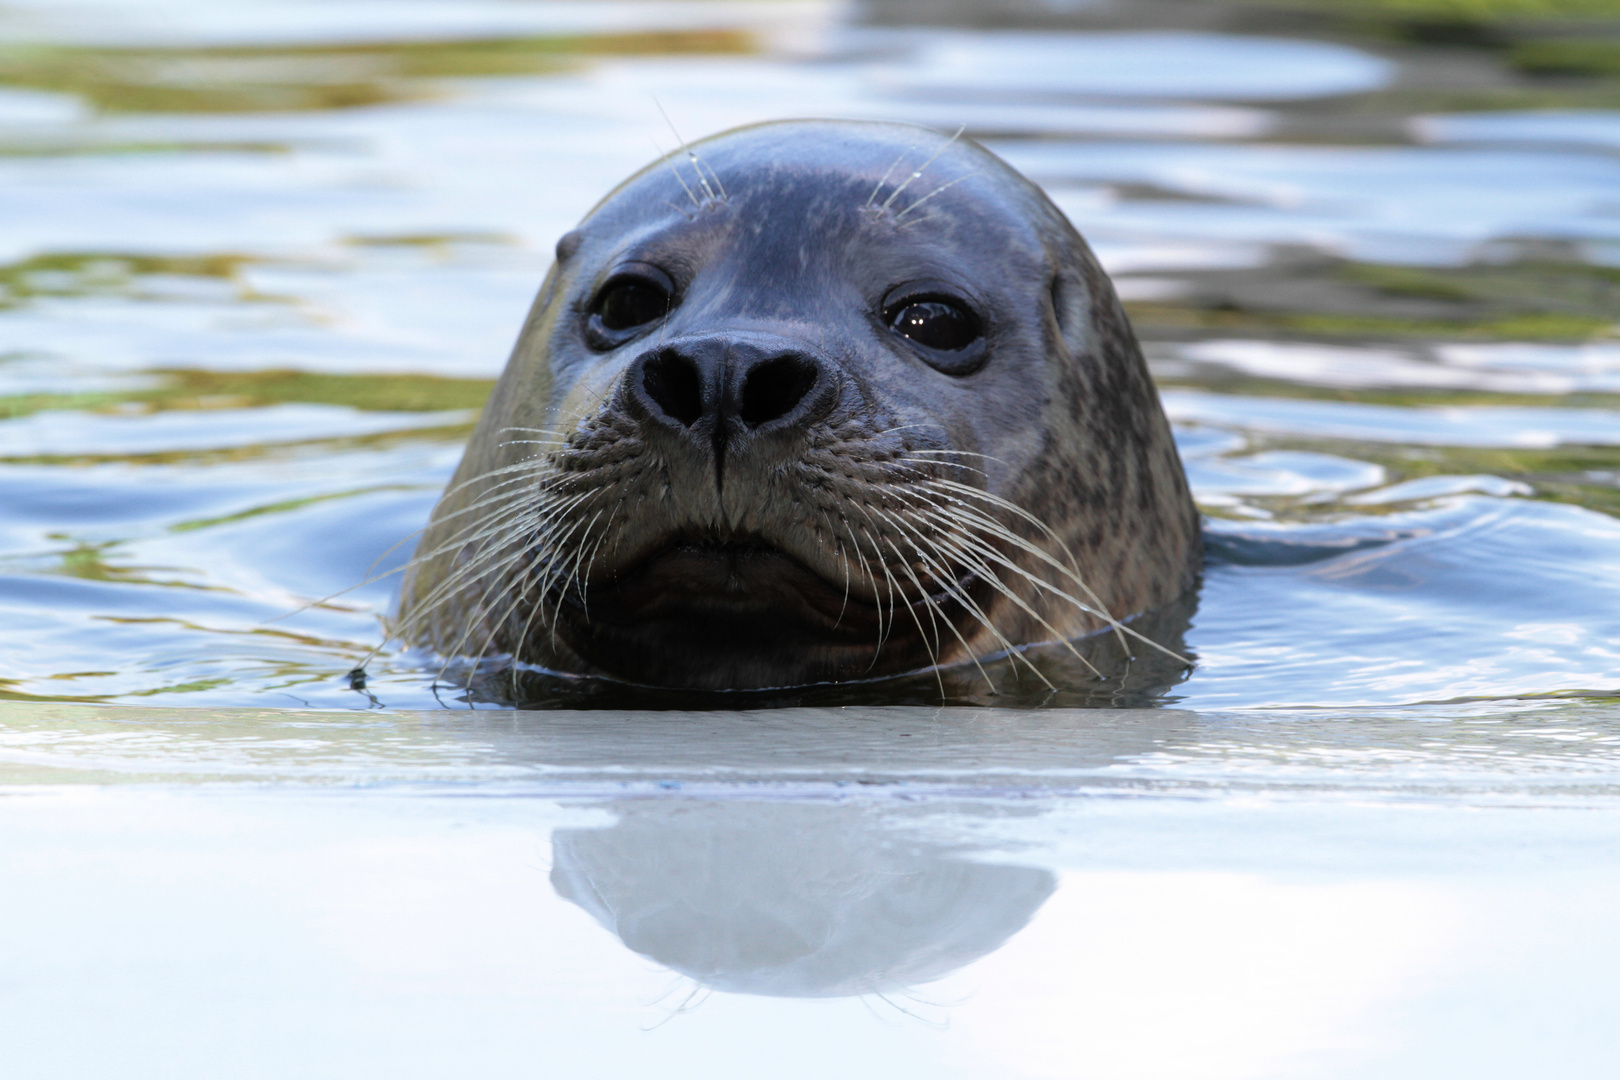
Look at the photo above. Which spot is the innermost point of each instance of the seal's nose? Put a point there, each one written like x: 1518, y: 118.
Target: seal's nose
x: 773, y: 388
x: 675, y: 386
x: 717, y: 383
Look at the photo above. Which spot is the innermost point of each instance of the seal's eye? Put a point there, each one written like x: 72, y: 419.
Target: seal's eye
x: 631, y: 299
x: 631, y: 302
x: 936, y: 324
x: 943, y: 329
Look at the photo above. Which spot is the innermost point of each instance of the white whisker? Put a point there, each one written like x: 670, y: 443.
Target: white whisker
x: 895, y: 194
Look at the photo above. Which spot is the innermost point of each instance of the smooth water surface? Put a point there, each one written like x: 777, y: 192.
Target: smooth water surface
x: 259, y: 265
x: 870, y: 893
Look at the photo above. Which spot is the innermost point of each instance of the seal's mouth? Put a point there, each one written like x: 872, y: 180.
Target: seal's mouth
x: 742, y: 580
x: 748, y: 610
x: 738, y: 580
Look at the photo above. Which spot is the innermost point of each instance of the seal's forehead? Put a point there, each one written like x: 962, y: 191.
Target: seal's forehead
x: 845, y: 147
x: 896, y: 170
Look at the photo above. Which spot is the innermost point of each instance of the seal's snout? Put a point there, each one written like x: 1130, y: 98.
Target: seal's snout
x: 713, y: 387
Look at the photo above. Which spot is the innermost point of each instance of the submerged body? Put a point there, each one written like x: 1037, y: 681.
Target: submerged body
x: 813, y: 402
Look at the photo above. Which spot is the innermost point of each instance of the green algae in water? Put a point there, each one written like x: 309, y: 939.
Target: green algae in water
x: 1545, y: 54
x: 1462, y: 12
x: 196, y: 388
x: 1583, y: 476
x: 1326, y: 299
x: 1242, y: 385
x: 1173, y: 319
x: 1169, y: 319
x: 448, y: 433
x: 103, y: 273
x: 1582, y: 57
x: 277, y: 78
x: 392, y: 393
x: 56, y: 145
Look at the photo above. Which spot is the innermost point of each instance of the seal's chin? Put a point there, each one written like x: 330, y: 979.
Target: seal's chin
x: 736, y: 615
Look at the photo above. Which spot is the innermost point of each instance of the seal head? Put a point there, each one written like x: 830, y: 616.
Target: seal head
x: 811, y: 402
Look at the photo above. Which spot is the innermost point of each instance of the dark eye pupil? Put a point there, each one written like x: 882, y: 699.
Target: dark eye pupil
x: 936, y: 325
x: 629, y: 304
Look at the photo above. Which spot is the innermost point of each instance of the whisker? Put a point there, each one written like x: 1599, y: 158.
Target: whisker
x: 696, y: 166
x: 973, y: 554
x: 883, y: 633
x: 416, y: 561
x: 832, y: 533
x: 911, y: 609
x: 870, y: 199
x: 485, y: 560
x: 1072, y: 574
x: 957, y: 594
x: 948, y: 582
x: 483, y: 609
x: 949, y: 184
x: 669, y: 161
x: 895, y: 194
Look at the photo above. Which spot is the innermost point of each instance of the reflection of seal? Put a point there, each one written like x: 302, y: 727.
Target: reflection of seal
x: 813, y: 402
x: 790, y: 900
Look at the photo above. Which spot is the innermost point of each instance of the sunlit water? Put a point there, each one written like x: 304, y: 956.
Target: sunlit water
x: 258, y: 265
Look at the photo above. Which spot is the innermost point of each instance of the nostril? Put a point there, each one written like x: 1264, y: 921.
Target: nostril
x: 774, y: 387
x: 673, y: 382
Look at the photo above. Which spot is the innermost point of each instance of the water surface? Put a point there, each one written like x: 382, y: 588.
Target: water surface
x: 245, y: 324
x: 259, y: 267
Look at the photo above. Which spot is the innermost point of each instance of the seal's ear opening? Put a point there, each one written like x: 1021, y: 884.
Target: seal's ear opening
x: 1058, y: 293
x: 1071, y: 308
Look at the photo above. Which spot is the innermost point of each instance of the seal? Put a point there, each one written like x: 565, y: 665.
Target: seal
x: 809, y: 402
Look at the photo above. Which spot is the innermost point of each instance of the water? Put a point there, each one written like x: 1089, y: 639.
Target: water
x: 883, y: 892
x: 258, y: 267
x: 1316, y: 313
